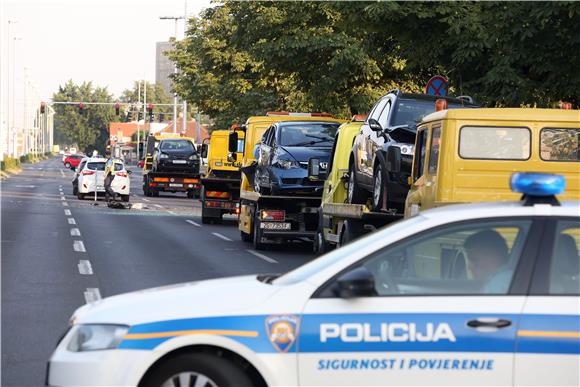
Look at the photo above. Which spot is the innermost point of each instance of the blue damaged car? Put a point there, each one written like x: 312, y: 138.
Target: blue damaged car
x: 283, y: 155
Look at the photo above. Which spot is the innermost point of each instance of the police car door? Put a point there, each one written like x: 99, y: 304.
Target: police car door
x: 548, y: 350
x: 431, y: 314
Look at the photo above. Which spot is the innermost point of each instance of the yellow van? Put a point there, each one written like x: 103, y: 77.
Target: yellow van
x: 468, y: 155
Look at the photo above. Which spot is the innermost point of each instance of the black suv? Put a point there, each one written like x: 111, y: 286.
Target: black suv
x: 382, y: 152
x: 175, y: 155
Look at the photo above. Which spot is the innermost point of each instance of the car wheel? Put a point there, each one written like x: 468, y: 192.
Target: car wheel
x: 258, y: 245
x: 80, y: 196
x: 125, y: 198
x: 67, y: 165
x: 355, y: 194
x: 196, y: 369
x: 155, y: 194
x: 206, y: 219
x: 351, y: 230
x: 379, y: 182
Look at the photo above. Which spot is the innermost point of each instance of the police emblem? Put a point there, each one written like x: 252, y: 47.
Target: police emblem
x: 282, y: 331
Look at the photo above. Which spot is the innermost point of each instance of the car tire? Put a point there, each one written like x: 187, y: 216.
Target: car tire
x: 125, y: 198
x: 67, y: 165
x: 80, y: 196
x: 245, y: 237
x: 355, y: 193
x: 257, y: 240
x: 155, y: 194
x: 219, y: 372
x: 351, y: 230
x: 190, y: 194
x: 379, y: 181
x: 206, y: 219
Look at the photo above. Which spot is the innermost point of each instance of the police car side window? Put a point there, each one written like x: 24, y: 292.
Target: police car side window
x: 565, y: 264
x: 465, y: 259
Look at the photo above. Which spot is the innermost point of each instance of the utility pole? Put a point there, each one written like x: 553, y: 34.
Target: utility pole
x: 174, y: 18
x: 144, y: 114
x: 184, y: 109
x: 14, y: 150
x: 8, y: 97
x: 138, y: 104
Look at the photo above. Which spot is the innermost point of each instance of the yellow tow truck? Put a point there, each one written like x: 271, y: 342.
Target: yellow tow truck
x: 155, y: 182
x: 220, y: 183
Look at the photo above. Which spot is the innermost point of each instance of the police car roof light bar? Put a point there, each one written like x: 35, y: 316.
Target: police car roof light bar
x: 538, y: 188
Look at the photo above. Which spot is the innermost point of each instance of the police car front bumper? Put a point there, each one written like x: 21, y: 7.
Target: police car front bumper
x: 98, y: 368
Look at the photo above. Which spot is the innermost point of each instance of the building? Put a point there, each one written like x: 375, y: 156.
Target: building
x: 163, y: 66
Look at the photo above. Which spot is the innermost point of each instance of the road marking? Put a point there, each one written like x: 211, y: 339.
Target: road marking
x: 146, y: 200
x: 62, y: 198
x: 262, y: 256
x: 92, y: 295
x: 65, y: 204
x: 79, y: 247
x: 62, y: 173
x: 192, y: 222
x: 172, y: 213
x: 158, y: 205
x: 85, y: 267
x: 71, y: 221
x: 25, y: 186
x: 225, y: 238
x: 75, y: 232
x: 67, y: 212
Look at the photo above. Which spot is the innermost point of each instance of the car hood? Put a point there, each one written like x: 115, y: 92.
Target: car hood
x: 187, y: 300
x: 302, y: 153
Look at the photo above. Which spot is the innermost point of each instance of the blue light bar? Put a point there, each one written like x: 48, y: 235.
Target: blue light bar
x: 537, y: 184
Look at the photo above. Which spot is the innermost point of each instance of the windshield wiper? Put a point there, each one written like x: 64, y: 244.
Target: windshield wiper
x: 267, y: 278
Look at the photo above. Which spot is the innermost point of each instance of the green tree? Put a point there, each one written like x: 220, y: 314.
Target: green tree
x: 89, y: 130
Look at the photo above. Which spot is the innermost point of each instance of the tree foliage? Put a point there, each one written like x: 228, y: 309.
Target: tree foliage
x: 244, y: 58
x: 155, y: 95
x: 88, y: 130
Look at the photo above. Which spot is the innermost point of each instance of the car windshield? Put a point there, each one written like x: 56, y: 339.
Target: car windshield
x: 177, y: 145
x: 411, y: 111
x: 319, y: 134
x: 96, y: 166
x: 311, y: 268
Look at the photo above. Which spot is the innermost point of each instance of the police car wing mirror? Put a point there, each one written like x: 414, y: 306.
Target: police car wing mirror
x: 358, y: 282
x: 374, y: 125
x: 313, y: 167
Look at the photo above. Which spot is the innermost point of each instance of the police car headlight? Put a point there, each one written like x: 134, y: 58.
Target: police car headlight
x: 163, y: 156
x: 94, y: 337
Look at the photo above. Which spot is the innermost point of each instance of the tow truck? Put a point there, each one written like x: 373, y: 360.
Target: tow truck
x: 220, y: 183
x: 155, y: 182
x: 265, y: 217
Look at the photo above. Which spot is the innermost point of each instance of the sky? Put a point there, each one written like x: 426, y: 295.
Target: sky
x: 108, y: 42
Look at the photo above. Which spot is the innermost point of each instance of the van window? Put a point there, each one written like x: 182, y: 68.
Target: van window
x: 559, y: 144
x: 494, y: 143
x: 434, y: 150
x: 420, y: 153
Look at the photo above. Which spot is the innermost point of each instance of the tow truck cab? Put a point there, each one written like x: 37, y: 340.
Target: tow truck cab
x: 468, y: 155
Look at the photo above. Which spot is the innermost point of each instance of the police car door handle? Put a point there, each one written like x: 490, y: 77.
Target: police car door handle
x: 489, y: 323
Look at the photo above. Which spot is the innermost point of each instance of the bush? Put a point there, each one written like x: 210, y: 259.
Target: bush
x: 9, y: 163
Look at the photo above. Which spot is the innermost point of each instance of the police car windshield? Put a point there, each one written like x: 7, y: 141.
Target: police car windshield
x: 313, y: 267
x: 177, y: 145
x: 411, y: 111
x: 308, y: 134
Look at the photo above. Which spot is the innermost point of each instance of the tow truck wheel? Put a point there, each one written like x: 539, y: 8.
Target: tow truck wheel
x: 350, y: 231
x: 355, y: 194
x: 155, y: 194
x: 196, y: 369
x: 379, y: 181
x: 258, y: 245
x: 245, y: 237
x: 206, y: 220
x: 190, y: 194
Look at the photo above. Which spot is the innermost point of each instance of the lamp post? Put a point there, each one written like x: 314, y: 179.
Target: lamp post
x: 8, y: 98
x: 13, y: 121
x: 175, y: 18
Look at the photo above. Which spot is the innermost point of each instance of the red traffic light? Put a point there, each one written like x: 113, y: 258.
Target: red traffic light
x: 117, y: 108
x: 150, y: 107
x: 81, y: 107
x: 42, y: 107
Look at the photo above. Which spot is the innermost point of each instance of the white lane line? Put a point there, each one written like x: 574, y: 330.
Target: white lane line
x: 146, y: 200
x: 62, y: 198
x: 85, y: 267
x: 72, y: 221
x: 92, y: 295
x: 62, y: 173
x: 79, y: 247
x: 75, y: 232
x: 262, y: 256
x: 172, y: 213
x: 192, y: 222
x: 158, y: 205
x: 64, y: 204
x: 225, y: 238
x: 67, y: 212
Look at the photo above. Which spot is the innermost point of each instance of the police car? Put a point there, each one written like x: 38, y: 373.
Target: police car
x: 481, y: 294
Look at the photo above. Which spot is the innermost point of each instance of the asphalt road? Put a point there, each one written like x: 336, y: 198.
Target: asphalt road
x: 59, y: 252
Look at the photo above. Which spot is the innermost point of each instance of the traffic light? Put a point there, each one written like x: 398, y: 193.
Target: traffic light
x: 140, y: 146
x: 117, y: 108
x: 42, y: 107
x: 150, y: 111
x: 81, y: 108
x: 140, y: 116
x: 129, y: 116
x: 161, y: 117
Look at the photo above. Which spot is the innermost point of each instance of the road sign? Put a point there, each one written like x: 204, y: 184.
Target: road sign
x: 437, y: 86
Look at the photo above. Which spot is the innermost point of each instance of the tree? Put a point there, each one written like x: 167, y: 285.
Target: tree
x: 155, y: 95
x: 89, y: 130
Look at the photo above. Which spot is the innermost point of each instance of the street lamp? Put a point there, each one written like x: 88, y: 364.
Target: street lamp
x: 14, y: 150
x: 8, y: 99
x: 175, y: 18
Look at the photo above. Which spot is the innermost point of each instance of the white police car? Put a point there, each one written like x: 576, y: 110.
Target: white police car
x: 484, y: 294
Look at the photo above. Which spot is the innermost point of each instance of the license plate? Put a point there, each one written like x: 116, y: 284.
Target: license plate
x: 179, y: 161
x: 275, y: 226
x: 175, y: 185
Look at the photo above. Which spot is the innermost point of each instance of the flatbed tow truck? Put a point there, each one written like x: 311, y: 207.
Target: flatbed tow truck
x: 155, y: 182
x: 273, y: 218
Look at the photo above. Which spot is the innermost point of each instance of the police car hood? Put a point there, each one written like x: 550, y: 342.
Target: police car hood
x: 225, y: 296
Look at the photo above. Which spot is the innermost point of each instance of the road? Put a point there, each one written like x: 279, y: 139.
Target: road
x: 59, y: 252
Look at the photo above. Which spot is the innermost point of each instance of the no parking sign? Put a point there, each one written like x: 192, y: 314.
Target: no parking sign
x: 437, y: 86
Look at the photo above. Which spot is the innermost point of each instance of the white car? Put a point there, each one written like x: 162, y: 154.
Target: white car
x: 482, y: 294
x: 93, y: 174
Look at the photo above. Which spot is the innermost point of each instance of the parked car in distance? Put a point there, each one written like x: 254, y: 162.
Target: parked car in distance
x: 72, y: 161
